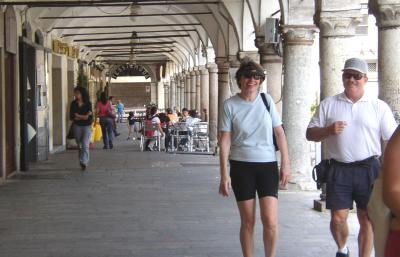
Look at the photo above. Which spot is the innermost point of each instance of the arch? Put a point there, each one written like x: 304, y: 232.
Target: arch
x: 132, y: 70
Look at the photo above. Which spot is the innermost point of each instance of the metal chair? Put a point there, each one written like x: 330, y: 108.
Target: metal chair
x: 150, y: 131
x: 201, y: 140
x: 183, y: 136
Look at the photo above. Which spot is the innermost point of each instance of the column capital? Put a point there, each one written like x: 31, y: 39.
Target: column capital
x: 264, y: 48
x: 223, y: 64
x: 204, y: 71
x: 254, y: 55
x: 387, y: 15
x: 212, y: 67
x: 338, y: 26
x: 234, y: 62
x: 299, y: 34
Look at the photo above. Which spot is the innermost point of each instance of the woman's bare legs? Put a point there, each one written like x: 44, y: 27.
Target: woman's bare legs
x: 247, y: 211
x: 269, y: 218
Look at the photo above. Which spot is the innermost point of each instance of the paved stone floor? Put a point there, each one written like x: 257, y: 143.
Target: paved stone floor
x: 137, y: 204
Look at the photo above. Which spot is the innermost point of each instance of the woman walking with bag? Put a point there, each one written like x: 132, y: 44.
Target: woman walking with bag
x: 246, y: 139
x: 82, y: 116
x: 104, y: 111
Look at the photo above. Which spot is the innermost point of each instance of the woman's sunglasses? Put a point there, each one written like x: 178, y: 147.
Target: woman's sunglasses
x: 351, y: 75
x: 254, y: 75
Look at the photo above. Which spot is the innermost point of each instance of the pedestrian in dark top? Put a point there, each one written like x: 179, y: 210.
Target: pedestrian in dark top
x: 82, y: 116
x: 131, y: 124
x: 111, y: 99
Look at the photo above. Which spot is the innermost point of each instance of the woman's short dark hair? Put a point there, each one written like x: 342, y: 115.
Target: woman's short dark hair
x: 247, y: 65
x: 169, y: 111
x: 84, y: 93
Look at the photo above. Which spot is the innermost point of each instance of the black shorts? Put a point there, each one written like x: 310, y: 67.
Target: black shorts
x: 348, y: 183
x: 251, y: 177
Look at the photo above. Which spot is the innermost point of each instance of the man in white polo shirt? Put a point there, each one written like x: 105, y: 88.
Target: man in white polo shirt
x: 351, y: 125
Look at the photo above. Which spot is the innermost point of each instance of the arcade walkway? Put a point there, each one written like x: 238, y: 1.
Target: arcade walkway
x: 142, y: 205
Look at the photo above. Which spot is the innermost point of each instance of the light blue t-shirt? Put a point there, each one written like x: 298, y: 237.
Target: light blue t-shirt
x: 251, y: 126
x: 120, y: 107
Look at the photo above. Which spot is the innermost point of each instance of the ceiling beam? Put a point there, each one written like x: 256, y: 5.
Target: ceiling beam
x: 122, y: 16
x: 127, y: 26
x: 113, y: 50
x: 127, y: 32
x: 128, y: 38
x: 128, y: 55
x: 40, y: 4
x: 134, y: 44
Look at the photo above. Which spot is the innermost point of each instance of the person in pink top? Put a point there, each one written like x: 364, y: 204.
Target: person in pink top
x: 105, y: 112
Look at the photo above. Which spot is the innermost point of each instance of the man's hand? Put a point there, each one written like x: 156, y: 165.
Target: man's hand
x: 337, y: 127
x: 225, y: 186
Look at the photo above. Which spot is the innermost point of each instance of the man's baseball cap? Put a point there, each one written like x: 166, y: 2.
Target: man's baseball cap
x: 356, y: 64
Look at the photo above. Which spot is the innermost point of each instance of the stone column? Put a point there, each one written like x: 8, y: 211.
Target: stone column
x: 166, y: 94
x: 178, y: 91
x: 193, y: 89
x: 153, y: 92
x: 298, y: 99
x: 198, y: 91
x: 160, y: 95
x: 224, y: 91
x: 213, y: 100
x: 337, y: 29
x: 234, y: 64
x: 205, y: 93
x: 183, y: 79
x: 272, y: 64
x: 188, y: 90
x: 388, y: 21
x: 172, y: 93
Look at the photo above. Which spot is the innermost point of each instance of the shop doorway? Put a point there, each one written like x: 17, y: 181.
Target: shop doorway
x: 28, y: 102
x: 57, y: 103
x: 10, y: 112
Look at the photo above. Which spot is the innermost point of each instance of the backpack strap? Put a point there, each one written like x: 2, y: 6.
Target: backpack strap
x: 264, y: 98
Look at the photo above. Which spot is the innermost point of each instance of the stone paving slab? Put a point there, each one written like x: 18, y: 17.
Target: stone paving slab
x: 135, y: 204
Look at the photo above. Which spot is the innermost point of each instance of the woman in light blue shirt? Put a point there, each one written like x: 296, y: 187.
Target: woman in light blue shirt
x: 246, y: 129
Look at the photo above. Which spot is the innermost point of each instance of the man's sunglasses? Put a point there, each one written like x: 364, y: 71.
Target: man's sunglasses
x: 351, y: 75
x: 254, y: 75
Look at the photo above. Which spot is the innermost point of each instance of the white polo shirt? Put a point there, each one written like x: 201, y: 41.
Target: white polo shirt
x: 368, y: 121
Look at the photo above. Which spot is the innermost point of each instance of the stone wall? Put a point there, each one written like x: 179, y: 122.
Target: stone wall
x: 132, y: 94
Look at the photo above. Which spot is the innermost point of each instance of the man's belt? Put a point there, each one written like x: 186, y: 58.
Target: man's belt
x: 365, y: 162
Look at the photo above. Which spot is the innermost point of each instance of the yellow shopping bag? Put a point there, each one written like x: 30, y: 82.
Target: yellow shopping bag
x: 97, y: 133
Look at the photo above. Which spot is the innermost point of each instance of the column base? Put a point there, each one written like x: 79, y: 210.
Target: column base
x: 214, y: 147
x: 319, y: 205
x: 302, y: 182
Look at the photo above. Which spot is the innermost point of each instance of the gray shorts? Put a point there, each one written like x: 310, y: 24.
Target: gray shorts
x: 351, y: 182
